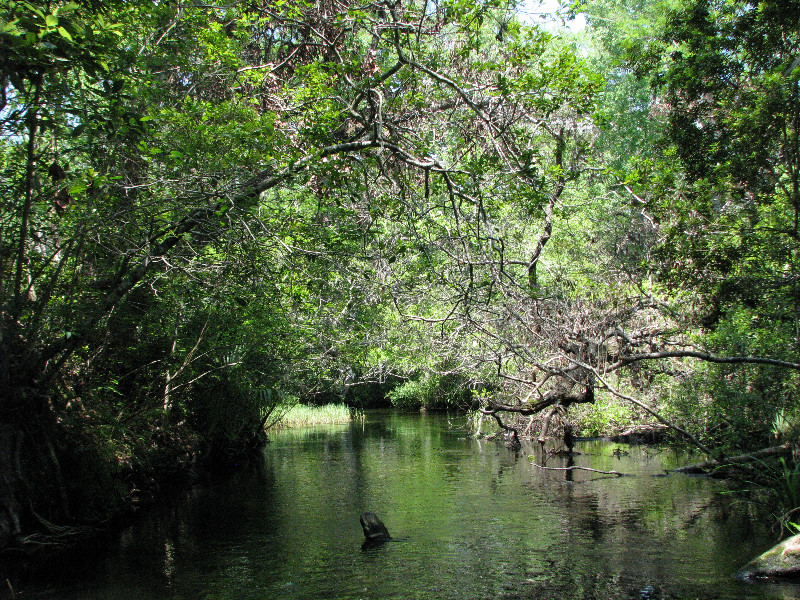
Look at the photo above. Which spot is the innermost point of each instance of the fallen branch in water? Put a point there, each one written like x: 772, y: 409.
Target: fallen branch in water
x: 703, y: 467
x: 574, y: 468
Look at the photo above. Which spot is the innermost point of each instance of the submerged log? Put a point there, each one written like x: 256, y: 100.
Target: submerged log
x: 575, y: 468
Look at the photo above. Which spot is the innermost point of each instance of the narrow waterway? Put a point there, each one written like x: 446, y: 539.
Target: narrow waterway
x: 471, y: 520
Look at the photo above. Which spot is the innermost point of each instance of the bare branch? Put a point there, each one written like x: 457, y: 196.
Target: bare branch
x: 575, y: 468
x: 723, y: 360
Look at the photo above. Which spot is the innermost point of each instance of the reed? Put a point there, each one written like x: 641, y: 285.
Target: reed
x: 302, y: 415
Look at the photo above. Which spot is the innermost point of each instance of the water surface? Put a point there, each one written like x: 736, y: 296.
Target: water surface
x: 471, y: 520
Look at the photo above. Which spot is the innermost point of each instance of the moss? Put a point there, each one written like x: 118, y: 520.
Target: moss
x: 780, y: 561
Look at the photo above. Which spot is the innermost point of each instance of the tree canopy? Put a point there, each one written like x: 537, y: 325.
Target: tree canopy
x: 209, y: 210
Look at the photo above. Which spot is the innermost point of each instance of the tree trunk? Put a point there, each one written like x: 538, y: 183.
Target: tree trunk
x: 11, y: 439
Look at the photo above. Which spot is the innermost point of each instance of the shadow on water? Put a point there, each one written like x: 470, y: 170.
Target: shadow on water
x: 472, y: 520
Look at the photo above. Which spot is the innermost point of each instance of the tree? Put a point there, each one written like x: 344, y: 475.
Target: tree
x: 184, y: 140
x: 729, y: 88
x: 638, y: 322
x: 209, y: 207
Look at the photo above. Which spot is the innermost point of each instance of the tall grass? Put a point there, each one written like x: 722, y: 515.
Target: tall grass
x: 774, y: 486
x: 786, y: 489
x: 301, y: 415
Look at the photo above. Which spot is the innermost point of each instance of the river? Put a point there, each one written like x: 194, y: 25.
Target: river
x: 470, y: 520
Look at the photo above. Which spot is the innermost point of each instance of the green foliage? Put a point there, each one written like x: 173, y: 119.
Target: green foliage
x: 788, y: 488
x: 206, y: 210
x: 604, y: 416
x: 728, y: 85
x: 52, y: 39
x: 742, y: 407
x: 777, y: 486
x: 711, y: 119
x: 432, y: 391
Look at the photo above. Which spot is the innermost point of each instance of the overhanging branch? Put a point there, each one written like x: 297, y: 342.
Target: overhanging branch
x: 723, y: 360
x: 169, y: 237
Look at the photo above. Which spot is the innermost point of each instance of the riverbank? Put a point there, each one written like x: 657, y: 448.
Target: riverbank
x: 104, y: 485
x: 143, y: 470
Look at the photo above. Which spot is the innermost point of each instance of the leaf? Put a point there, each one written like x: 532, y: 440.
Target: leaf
x: 69, y: 6
x: 33, y: 9
x: 51, y: 20
x: 65, y: 34
x: 10, y: 26
x: 78, y: 188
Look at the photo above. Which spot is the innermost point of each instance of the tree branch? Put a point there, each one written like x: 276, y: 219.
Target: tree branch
x: 59, y: 351
x: 727, y: 360
x: 704, y: 467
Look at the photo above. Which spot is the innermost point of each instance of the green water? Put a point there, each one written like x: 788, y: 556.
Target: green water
x: 471, y: 520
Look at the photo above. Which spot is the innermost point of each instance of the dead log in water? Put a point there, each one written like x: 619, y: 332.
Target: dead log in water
x: 703, y: 468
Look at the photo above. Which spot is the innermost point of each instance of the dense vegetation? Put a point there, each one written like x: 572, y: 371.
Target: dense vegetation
x: 210, y: 212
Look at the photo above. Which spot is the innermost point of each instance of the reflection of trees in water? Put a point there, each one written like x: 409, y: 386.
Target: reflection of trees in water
x: 472, y: 520
x: 639, y: 530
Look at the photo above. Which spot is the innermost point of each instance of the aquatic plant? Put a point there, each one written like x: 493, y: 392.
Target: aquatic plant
x: 786, y: 490
x: 302, y: 415
x: 775, y: 487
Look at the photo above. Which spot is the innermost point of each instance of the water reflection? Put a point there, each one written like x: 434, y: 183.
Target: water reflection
x: 471, y: 520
